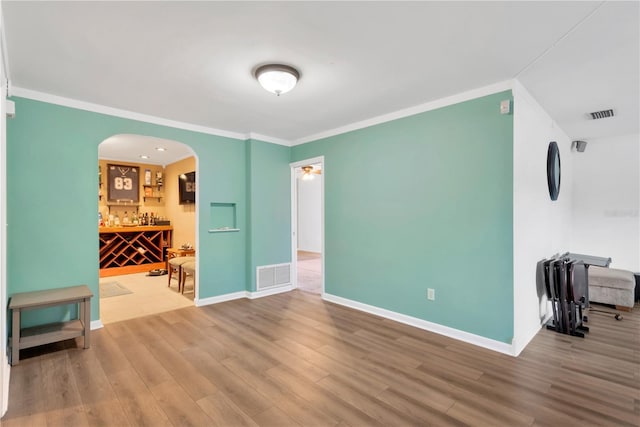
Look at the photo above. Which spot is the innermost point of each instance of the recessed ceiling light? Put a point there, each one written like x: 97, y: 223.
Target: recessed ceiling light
x: 161, y: 149
x: 277, y: 78
x: 142, y: 156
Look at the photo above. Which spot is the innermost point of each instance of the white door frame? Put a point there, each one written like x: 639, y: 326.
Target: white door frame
x: 5, y: 369
x: 294, y: 218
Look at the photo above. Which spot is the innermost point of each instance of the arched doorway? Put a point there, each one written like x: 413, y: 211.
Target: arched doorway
x: 146, y: 205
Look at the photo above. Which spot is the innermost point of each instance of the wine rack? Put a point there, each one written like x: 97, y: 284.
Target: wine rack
x: 125, y: 250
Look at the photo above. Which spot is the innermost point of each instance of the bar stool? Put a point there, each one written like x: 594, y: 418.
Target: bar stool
x: 176, y: 264
x: 186, y: 268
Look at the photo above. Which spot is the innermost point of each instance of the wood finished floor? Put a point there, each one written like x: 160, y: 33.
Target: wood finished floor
x: 310, y: 272
x: 292, y: 359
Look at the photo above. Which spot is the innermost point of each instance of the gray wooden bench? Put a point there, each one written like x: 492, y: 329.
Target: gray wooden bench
x: 53, y: 332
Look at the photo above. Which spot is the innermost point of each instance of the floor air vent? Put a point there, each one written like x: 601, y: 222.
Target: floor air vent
x: 272, y: 276
x: 601, y: 114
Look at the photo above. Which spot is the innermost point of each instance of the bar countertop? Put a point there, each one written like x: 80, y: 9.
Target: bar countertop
x: 134, y: 229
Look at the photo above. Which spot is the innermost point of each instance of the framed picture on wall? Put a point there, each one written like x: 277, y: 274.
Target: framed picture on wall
x: 187, y: 188
x: 123, y: 183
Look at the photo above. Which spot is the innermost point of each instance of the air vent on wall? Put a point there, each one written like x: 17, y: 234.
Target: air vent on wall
x: 601, y: 114
x: 271, y: 276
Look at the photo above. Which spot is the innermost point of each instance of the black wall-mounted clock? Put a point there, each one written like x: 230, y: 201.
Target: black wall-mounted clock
x: 553, y: 170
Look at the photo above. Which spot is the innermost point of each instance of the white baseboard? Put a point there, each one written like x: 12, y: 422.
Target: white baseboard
x: 424, y: 324
x: 457, y: 334
x: 243, y: 294
x: 96, y: 324
x: 267, y: 292
x: 6, y: 374
x: 220, y: 298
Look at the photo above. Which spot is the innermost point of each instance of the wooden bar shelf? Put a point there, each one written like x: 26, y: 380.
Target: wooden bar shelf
x: 153, y: 192
x: 125, y: 250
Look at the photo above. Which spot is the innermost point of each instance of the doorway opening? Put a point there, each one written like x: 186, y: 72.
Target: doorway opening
x: 307, y: 243
x: 147, y: 194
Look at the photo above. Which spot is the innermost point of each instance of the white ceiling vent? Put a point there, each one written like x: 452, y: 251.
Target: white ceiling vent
x: 272, y: 276
x: 601, y: 114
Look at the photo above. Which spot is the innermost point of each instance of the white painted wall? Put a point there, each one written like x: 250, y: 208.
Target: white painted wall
x: 309, y: 214
x: 541, y: 227
x: 606, y: 200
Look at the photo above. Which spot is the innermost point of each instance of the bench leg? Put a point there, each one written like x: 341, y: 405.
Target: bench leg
x: 15, y: 338
x: 85, y: 311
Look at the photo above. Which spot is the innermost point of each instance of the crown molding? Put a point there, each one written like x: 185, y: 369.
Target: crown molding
x: 270, y: 139
x: 110, y: 111
x: 411, y: 111
x: 97, y: 108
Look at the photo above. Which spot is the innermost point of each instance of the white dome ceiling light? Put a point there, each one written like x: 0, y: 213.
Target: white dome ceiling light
x: 308, y: 171
x: 277, y: 78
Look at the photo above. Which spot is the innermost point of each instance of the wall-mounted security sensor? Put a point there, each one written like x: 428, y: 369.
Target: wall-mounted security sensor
x: 10, y: 108
x: 505, y: 106
x: 580, y: 146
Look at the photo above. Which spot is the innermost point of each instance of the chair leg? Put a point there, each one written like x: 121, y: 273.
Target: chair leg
x: 170, y: 274
x: 194, y: 285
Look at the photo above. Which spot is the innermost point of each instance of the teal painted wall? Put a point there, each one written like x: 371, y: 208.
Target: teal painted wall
x: 269, y: 204
x: 52, y: 179
x: 424, y: 202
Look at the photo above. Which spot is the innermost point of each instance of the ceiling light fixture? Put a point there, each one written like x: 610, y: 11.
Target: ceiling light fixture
x: 161, y: 149
x: 307, y: 172
x: 277, y: 78
x: 144, y: 156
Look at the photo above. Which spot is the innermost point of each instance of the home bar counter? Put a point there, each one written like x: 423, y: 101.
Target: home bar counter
x: 125, y: 250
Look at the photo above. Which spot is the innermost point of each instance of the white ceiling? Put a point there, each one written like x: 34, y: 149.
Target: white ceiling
x: 131, y: 148
x: 192, y: 61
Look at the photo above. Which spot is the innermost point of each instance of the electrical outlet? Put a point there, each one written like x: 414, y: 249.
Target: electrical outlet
x: 431, y: 294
